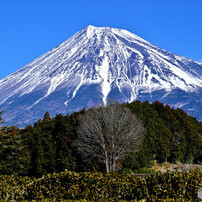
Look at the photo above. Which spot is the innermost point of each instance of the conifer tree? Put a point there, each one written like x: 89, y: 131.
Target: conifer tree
x: 1, y: 119
x: 47, y: 116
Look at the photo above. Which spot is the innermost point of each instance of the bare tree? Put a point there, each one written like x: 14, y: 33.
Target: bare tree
x: 109, y: 133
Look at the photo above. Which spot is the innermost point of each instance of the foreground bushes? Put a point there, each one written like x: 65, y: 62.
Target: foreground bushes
x: 99, y: 186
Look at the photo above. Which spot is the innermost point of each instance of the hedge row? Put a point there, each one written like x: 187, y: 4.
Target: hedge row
x: 101, y: 186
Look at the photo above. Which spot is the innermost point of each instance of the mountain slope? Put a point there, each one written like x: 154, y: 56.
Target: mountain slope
x: 97, y: 66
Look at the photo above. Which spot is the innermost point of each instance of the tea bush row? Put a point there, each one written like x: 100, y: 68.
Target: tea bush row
x: 102, y: 186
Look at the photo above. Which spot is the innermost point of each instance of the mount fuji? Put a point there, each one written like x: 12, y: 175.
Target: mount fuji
x: 99, y: 65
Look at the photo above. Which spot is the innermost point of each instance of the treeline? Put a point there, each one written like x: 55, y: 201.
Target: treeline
x: 49, y: 145
x: 171, y: 134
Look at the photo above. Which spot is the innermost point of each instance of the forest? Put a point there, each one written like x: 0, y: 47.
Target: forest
x: 50, y: 145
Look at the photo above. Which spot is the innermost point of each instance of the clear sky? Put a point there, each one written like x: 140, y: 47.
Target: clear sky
x: 29, y: 28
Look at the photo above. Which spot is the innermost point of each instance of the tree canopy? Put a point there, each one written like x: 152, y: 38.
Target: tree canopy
x: 108, y: 134
x: 50, y: 144
x: 1, y: 119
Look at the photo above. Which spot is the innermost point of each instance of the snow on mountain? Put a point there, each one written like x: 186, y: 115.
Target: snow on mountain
x: 96, y: 66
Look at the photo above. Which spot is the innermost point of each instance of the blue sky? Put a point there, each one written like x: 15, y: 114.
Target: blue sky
x: 29, y: 28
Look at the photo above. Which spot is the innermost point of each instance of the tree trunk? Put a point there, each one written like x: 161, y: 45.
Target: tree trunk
x: 107, y: 166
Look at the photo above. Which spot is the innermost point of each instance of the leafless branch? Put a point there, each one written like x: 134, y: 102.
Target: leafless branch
x: 109, y: 133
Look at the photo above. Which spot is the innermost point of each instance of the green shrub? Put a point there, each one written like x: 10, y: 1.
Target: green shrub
x: 102, y: 186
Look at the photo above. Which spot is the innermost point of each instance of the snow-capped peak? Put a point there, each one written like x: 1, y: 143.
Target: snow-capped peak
x: 102, y: 62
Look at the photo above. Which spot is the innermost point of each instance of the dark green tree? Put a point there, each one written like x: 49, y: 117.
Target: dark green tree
x: 1, y: 119
x: 63, y: 136
x: 14, y: 154
x: 47, y: 116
